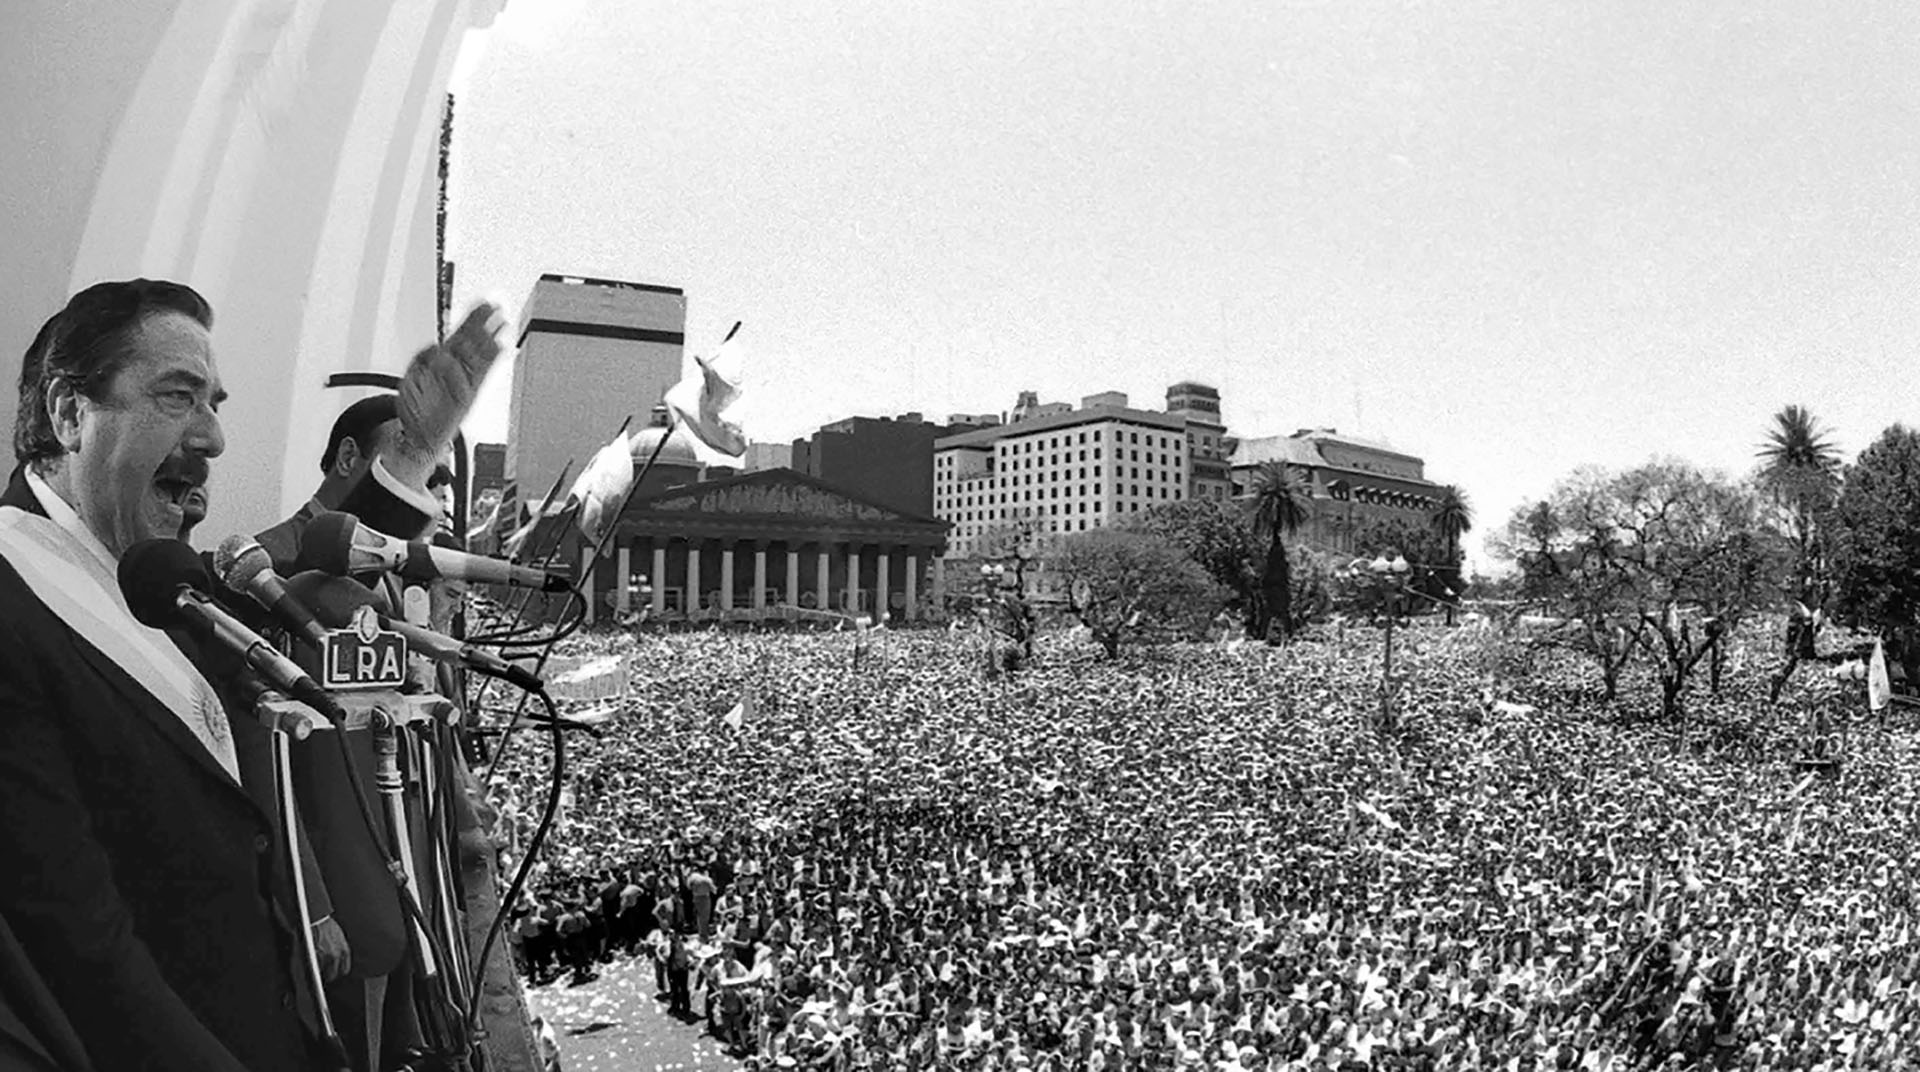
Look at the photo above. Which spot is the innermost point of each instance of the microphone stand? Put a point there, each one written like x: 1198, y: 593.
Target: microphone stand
x: 506, y: 736
x: 444, y: 1020
x: 271, y: 709
x: 599, y: 546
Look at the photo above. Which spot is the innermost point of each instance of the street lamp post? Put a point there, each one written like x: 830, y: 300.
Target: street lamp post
x: 1388, y: 581
x: 991, y: 575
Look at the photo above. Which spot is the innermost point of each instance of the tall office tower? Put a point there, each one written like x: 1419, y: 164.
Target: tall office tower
x: 1068, y: 471
x: 593, y: 352
x: 1208, y: 457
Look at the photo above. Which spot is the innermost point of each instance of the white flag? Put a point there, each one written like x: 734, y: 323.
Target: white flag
x: 704, y: 396
x: 1375, y: 813
x: 602, y: 486
x: 1879, y: 686
x: 736, y: 717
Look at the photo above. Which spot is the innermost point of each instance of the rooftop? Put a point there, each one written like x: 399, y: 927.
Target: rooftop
x: 617, y: 284
x: 1093, y: 415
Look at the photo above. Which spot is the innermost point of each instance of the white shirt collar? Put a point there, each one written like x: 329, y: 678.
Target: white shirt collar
x: 64, y: 516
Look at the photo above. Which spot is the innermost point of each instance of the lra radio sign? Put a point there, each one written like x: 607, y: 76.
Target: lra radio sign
x: 363, y: 657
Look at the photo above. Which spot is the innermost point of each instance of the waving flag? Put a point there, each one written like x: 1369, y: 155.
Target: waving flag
x: 702, y: 399
x: 737, y: 717
x: 506, y: 513
x: 603, y: 485
x: 516, y: 540
x: 481, y: 530
x: 1879, y: 686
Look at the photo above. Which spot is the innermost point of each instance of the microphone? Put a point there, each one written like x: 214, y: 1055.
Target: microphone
x: 335, y: 599
x: 338, y: 544
x: 244, y: 566
x: 166, y: 585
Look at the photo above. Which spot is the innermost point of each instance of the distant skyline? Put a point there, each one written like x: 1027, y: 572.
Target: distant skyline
x: 1511, y: 238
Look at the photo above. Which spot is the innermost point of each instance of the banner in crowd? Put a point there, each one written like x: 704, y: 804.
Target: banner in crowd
x: 589, y: 678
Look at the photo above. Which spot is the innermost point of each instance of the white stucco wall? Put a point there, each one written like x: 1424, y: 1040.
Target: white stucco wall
x: 278, y: 155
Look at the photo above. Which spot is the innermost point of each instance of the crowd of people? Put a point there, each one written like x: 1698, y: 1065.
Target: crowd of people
x: 1222, y: 858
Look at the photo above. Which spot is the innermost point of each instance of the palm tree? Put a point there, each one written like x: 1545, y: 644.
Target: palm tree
x: 1797, y: 445
x: 1280, y: 506
x: 1452, y: 517
x: 1800, y: 469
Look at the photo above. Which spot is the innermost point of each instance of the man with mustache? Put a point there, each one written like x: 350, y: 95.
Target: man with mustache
x: 139, y: 872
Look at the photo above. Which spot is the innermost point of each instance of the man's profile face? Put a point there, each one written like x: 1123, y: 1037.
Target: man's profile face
x: 137, y: 456
x: 357, y: 457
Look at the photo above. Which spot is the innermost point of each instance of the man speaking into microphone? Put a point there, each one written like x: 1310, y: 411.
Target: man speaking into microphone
x: 138, y: 871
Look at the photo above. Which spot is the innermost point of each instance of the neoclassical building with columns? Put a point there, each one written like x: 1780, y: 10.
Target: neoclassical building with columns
x: 744, y: 547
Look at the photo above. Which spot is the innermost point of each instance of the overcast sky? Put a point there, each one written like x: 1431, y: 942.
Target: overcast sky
x: 1509, y: 236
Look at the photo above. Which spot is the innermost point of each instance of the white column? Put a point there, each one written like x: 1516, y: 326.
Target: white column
x: 880, y: 586
x: 940, y: 580
x: 693, y: 575
x: 726, y: 576
x: 793, y: 576
x: 623, y: 595
x: 759, y: 576
x: 823, y: 573
x: 659, y: 576
x: 913, y: 587
x: 586, y: 580
x: 853, y: 579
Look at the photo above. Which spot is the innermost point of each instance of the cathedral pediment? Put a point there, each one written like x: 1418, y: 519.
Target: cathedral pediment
x: 775, y: 494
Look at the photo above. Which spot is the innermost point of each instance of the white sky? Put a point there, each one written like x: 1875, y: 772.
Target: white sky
x: 1509, y: 236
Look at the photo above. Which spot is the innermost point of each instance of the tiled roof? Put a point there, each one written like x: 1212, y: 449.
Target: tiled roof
x: 1278, y: 449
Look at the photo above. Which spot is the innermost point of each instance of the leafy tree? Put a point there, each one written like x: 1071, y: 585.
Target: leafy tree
x: 1452, y: 518
x: 1663, y: 560
x: 1875, y: 544
x: 1310, y: 584
x: 1280, y: 505
x: 1568, y: 574
x: 1123, y: 584
x: 1010, y: 555
x: 1217, y: 535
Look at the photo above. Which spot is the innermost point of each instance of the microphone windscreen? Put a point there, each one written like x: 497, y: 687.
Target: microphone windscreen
x: 331, y: 599
x: 152, y: 571
x: 326, y: 544
x: 239, y: 565
x: 227, y: 553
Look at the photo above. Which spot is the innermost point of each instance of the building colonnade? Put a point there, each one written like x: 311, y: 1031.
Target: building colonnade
x: 695, y: 573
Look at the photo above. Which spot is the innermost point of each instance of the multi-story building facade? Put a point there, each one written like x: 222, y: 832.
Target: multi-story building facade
x: 489, y: 468
x: 888, y: 460
x: 1069, y: 470
x: 763, y: 456
x: 1208, y: 447
x: 592, y: 352
x: 1353, y: 482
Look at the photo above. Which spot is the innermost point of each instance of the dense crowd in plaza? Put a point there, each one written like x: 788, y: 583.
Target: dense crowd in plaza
x: 1213, y: 857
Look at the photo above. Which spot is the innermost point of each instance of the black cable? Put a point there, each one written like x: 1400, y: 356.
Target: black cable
x: 392, y: 862
x: 532, y: 849
x: 573, y: 613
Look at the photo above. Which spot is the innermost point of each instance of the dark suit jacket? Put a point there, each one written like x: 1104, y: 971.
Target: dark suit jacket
x: 136, y: 874
x: 34, y: 1034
